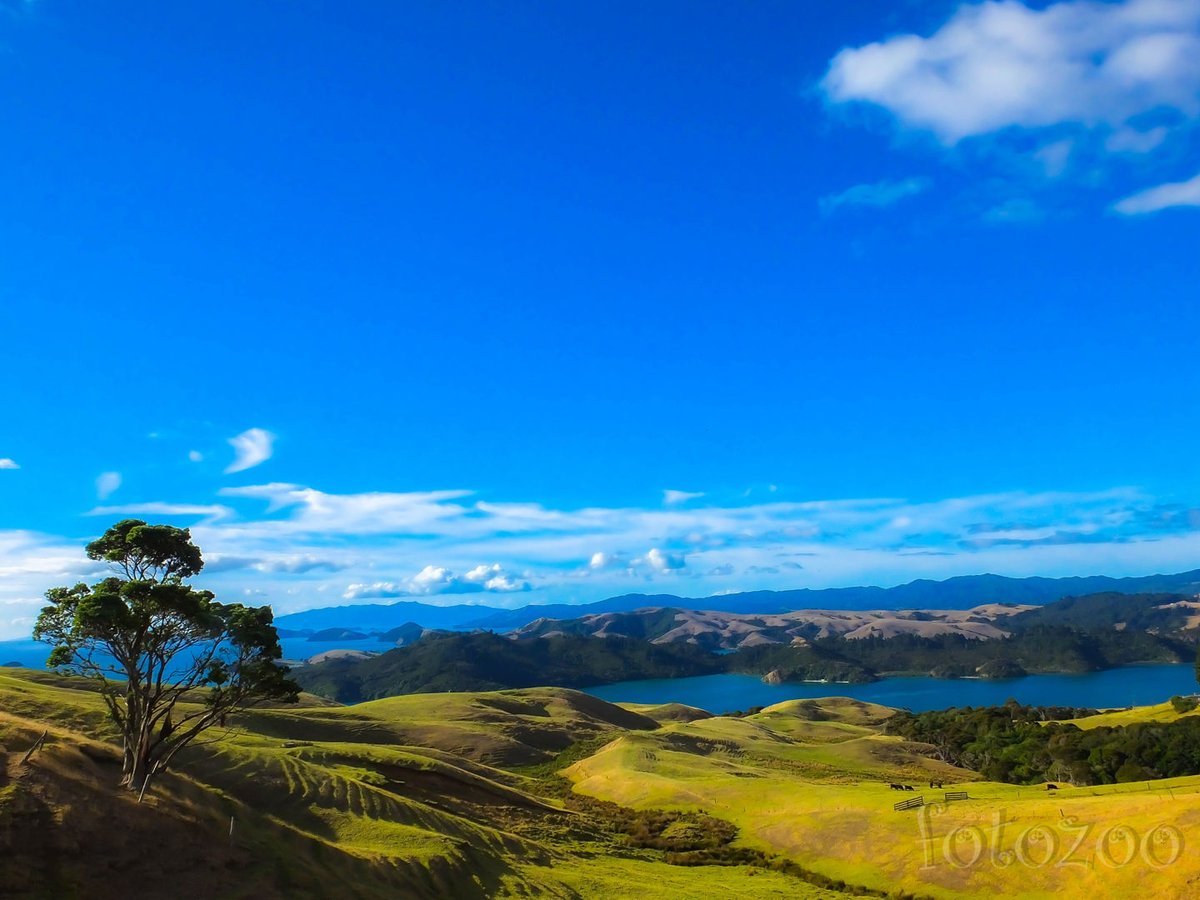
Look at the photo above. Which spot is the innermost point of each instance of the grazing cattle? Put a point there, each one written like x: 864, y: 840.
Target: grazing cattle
x: 896, y: 787
x: 909, y: 787
x: 1052, y: 787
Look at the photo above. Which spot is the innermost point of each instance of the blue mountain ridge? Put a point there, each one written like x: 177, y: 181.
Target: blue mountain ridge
x: 961, y: 592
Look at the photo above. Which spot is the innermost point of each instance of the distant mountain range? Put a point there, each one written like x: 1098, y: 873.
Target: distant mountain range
x: 996, y: 640
x: 1163, y: 614
x: 962, y: 592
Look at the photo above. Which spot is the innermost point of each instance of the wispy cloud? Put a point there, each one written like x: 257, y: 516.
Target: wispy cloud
x: 301, y: 547
x: 6, y: 463
x: 289, y: 563
x: 209, y: 511
x: 1180, y: 193
x: 878, y: 194
x: 107, y: 484
x: 251, y: 448
x: 1071, y: 88
x: 674, y: 498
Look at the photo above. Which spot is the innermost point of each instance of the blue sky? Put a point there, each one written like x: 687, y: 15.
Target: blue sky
x: 518, y: 303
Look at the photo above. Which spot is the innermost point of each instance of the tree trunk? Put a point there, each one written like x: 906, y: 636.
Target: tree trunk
x: 137, y: 767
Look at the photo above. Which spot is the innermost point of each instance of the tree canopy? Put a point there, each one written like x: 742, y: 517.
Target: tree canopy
x: 170, y: 661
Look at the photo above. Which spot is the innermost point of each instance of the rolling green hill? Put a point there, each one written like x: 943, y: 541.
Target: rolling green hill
x: 426, y: 797
x: 547, y: 792
x: 482, y: 661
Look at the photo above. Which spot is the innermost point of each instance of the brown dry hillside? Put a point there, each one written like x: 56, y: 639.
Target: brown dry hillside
x: 732, y: 631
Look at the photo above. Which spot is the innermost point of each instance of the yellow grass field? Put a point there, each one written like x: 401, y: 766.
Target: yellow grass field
x: 446, y: 796
x: 822, y: 798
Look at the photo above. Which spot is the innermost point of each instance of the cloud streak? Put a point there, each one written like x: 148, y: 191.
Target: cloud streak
x: 251, y: 448
x: 107, y: 484
x: 1165, y: 196
x: 298, y: 546
x: 878, y: 195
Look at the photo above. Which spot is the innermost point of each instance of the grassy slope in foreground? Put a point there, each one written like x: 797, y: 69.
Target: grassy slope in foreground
x: 412, y: 797
x: 811, y: 782
x: 440, y: 795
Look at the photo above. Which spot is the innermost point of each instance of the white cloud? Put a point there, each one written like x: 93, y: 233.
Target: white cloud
x: 437, y: 580
x: 673, y: 498
x: 6, y: 463
x: 211, y: 511
x: 494, y: 578
x: 1001, y: 65
x: 252, y: 447
x: 30, y: 564
x: 107, y: 484
x: 1078, y: 93
x: 434, y: 580
x: 1182, y: 193
x: 195, y: 456
x: 665, y: 562
x: 601, y: 560
x: 878, y: 194
x: 304, y: 546
x: 380, y: 590
x: 370, y: 513
x: 297, y: 564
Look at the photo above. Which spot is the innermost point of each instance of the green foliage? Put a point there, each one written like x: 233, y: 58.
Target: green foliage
x: 1133, y: 612
x: 1184, y: 704
x: 1025, y: 745
x: 484, y: 661
x: 148, y: 552
x: 1040, y: 648
x: 169, y: 660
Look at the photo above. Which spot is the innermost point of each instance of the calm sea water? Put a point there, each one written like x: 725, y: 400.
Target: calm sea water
x: 1127, y: 686
x: 32, y: 654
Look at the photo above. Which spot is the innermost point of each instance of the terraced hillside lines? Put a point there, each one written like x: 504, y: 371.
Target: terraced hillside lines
x: 509, y: 728
x: 456, y: 795
x: 818, y: 793
x: 340, y: 802
x: 352, y: 798
x: 625, y: 879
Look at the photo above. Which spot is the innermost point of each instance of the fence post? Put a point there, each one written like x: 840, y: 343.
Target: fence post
x: 37, y: 745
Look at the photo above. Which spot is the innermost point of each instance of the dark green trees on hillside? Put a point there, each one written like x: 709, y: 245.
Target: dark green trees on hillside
x: 169, y: 660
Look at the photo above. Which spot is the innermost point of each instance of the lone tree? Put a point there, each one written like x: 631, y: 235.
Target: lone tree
x: 169, y: 660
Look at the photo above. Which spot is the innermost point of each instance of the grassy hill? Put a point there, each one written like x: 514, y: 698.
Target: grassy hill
x: 424, y: 796
x: 542, y: 792
x: 482, y: 661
